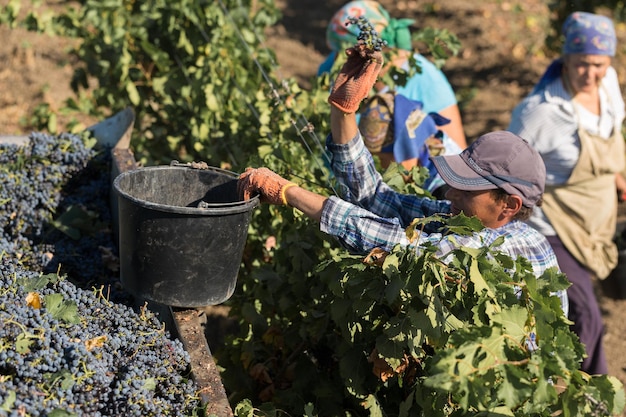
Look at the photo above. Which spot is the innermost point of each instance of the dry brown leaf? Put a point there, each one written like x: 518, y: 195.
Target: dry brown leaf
x: 33, y: 300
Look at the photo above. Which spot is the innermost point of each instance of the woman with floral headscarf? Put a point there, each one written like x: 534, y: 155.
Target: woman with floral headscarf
x: 573, y: 117
x: 429, y: 87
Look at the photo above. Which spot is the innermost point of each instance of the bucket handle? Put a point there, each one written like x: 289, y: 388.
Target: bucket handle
x: 194, y: 165
x: 205, y: 166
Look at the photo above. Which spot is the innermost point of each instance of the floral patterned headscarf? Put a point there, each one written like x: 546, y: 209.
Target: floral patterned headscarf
x: 585, y: 33
x: 394, y: 31
x: 588, y: 33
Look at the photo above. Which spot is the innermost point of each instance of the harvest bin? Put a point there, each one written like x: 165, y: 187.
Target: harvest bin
x: 182, y: 232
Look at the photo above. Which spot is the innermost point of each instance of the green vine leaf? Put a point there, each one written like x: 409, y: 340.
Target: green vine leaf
x: 60, y: 309
x: 9, y: 401
x: 513, y: 320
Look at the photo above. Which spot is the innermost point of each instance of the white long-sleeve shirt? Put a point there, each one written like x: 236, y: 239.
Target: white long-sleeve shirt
x: 549, y: 121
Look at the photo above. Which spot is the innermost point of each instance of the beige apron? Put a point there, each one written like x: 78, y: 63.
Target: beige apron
x: 583, y: 211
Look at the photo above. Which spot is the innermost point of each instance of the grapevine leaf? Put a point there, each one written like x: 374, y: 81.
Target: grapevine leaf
x: 493, y: 347
x: 64, y: 379
x: 351, y: 365
x: 389, y: 345
x: 438, y: 315
x: 569, y: 346
x: 354, y: 329
x: 149, y: 384
x: 406, y: 405
x: 264, y: 151
x: 309, y: 410
x: 52, y: 123
x: 480, y: 285
x: 158, y: 56
x: 133, y: 93
x: 362, y: 305
x: 158, y: 85
x: 339, y: 309
x: 57, y: 412
x: 496, y: 412
x: 23, y: 343
x: 440, y: 380
x: 543, y: 393
x: 503, y: 259
x: 245, y: 408
x: 412, y: 231
x: 184, y: 43
x: 393, y: 288
x: 391, y: 265
x: 612, y: 384
x: 513, y: 320
x: 514, y: 388
x: 463, y: 225
x: 475, y: 350
x: 60, y: 309
x: 371, y: 404
x: 77, y: 219
x: 211, y: 100
x: 95, y: 342
x: 35, y: 284
x: 9, y: 400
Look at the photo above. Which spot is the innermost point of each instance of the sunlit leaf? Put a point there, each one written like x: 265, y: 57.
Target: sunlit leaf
x: 61, y: 309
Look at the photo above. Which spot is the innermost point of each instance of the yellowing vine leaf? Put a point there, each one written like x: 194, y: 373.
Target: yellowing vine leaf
x: 33, y: 300
x: 95, y: 342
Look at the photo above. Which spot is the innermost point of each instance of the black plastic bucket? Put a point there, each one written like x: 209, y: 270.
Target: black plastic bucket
x: 182, y: 233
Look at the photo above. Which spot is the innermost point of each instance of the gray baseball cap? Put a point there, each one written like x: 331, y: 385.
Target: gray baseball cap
x: 498, y: 159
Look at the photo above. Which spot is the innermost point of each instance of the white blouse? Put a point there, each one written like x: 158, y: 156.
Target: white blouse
x: 548, y: 120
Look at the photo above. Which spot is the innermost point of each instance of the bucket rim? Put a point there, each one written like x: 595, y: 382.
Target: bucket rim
x: 209, y: 209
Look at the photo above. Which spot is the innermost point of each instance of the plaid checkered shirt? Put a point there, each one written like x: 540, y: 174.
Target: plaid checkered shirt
x: 372, y: 215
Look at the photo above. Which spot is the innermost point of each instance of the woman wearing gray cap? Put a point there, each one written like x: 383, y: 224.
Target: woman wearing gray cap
x: 499, y: 179
x: 573, y: 117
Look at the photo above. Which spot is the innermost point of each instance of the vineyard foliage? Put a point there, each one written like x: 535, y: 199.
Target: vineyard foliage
x: 323, y: 332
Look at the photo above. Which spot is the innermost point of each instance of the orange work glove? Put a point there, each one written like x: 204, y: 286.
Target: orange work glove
x: 269, y: 185
x: 356, y: 78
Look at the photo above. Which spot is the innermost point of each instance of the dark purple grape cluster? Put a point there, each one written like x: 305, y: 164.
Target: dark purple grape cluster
x: 32, y: 178
x: 368, y: 36
x: 74, y: 351
x: 80, y: 351
x: 55, y: 209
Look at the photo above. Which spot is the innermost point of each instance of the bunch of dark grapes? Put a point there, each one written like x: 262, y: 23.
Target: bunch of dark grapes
x: 89, y: 353
x: 84, y: 355
x: 368, y: 36
x: 32, y: 177
x: 55, y: 209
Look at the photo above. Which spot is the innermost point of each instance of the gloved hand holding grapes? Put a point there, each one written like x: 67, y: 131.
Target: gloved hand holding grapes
x: 358, y: 75
x: 269, y: 185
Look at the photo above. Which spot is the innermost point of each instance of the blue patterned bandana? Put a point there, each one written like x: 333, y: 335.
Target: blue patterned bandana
x: 588, y: 33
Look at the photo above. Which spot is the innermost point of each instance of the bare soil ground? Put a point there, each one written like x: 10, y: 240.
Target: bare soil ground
x: 502, y: 56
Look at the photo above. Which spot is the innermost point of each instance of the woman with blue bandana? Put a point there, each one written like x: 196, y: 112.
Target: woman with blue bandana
x: 573, y: 118
x: 429, y: 93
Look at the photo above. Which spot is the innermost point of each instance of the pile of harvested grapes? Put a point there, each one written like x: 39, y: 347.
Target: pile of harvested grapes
x: 70, y: 344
